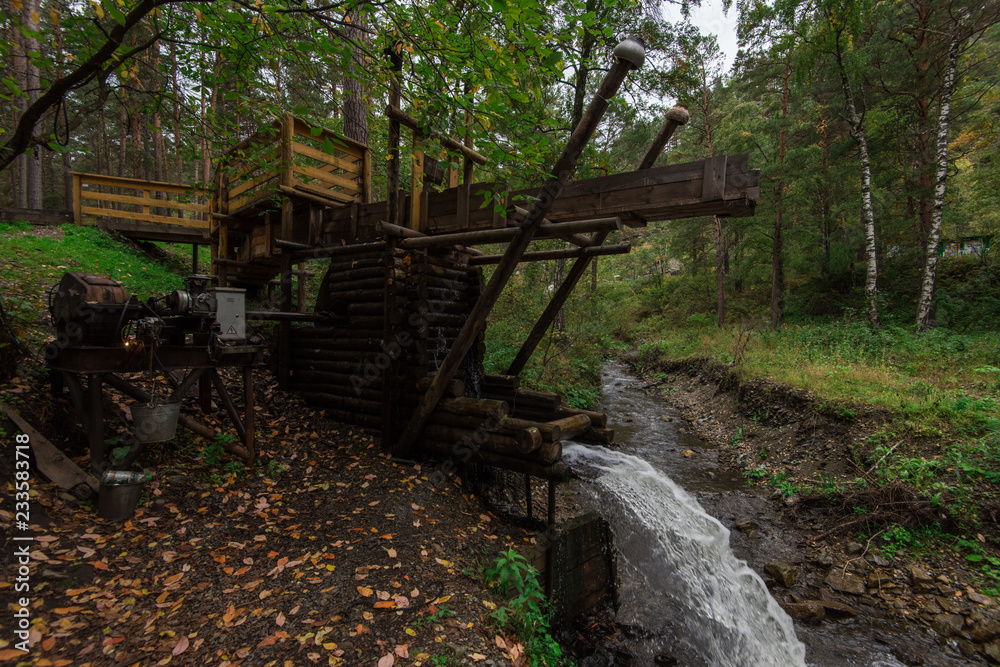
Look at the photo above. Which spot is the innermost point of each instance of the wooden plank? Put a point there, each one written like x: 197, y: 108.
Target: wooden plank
x: 52, y: 463
x: 146, y: 217
x: 335, y: 195
x: 77, y: 202
x: 713, y: 184
x: 236, y: 205
x: 139, y: 184
x: 353, y: 187
x: 333, y: 160
x: 236, y: 191
x: 349, y: 146
x: 143, y: 201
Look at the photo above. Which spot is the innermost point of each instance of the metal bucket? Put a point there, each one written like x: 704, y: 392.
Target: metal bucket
x: 155, y: 423
x: 117, y: 502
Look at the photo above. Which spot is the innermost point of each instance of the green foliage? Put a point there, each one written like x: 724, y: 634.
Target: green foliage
x: 525, y: 611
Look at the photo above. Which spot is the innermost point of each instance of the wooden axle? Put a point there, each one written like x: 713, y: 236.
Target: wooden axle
x: 554, y: 230
x: 567, y: 253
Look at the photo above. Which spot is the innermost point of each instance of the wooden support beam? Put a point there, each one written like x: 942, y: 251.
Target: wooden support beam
x: 337, y: 250
x: 562, y: 172
x: 285, y: 327
x: 567, y: 253
x: 95, y: 425
x: 395, y: 53
x: 389, y: 229
x: 555, y: 230
x: 675, y: 117
x: 394, y: 113
x: 417, y: 219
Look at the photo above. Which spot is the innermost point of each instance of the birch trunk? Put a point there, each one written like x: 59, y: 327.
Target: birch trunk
x: 867, y: 210
x: 934, y: 236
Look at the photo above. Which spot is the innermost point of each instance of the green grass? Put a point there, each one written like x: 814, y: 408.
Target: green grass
x: 34, y: 263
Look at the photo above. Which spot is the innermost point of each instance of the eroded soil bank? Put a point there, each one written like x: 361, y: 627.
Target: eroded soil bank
x: 825, y: 558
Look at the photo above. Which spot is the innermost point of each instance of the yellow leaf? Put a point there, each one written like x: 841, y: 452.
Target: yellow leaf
x: 365, y: 591
x: 16, y: 4
x: 35, y: 18
x: 411, y: 632
x: 442, y: 599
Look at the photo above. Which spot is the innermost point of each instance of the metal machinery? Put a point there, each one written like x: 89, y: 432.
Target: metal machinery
x: 103, y: 332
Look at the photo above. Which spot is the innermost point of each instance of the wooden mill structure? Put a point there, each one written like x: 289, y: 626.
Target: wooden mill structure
x: 395, y: 341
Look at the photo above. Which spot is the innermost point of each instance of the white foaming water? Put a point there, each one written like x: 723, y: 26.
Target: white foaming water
x: 721, y: 607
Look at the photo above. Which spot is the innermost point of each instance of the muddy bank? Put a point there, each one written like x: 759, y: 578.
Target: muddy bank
x: 854, y: 602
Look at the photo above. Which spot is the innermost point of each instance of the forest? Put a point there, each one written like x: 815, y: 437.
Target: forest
x: 866, y: 284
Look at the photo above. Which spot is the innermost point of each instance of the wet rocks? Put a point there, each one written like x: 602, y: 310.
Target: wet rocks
x: 783, y: 573
x: 809, y: 610
x: 922, y: 582
x: 948, y: 625
x: 855, y: 548
x: 845, y: 582
x: 838, y: 609
x: 748, y: 527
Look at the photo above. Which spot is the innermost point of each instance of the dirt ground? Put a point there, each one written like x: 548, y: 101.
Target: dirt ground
x: 327, y: 553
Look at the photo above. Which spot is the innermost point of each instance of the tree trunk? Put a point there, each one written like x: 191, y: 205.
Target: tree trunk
x: 720, y: 273
x: 26, y: 72
x: 777, y: 263
x: 867, y: 210
x: 934, y: 236
x: 355, y: 106
x: 179, y: 162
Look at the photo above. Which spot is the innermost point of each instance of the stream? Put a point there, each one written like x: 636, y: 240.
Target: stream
x: 687, y: 595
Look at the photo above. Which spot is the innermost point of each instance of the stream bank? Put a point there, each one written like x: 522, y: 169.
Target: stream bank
x: 853, y: 604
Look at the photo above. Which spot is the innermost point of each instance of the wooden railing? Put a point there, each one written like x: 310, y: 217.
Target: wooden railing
x: 136, y: 200
x: 292, y: 157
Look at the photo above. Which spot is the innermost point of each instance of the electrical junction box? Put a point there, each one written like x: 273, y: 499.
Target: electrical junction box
x: 230, y: 313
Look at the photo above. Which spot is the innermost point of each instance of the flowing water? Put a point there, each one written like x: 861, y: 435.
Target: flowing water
x: 686, y: 599
x: 687, y: 572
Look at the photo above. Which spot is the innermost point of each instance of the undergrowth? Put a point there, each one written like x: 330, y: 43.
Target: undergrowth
x: 525, y: 610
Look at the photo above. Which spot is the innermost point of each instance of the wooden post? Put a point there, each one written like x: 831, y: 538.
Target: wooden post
x: 287, y: 153
x: 77, y: 202
x: 392, y: 169
x: 675, y: 118
x: 301, y: 297
x: 95, y: 425
x: 367, y: 196
x: 287, y: 213
x: 417, y: 183
x: 222, y: 271
x: 562, y: 172
x: 285, y: 328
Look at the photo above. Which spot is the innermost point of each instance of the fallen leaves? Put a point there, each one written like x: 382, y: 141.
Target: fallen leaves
x: 182, y: 645
x: 365, y: 591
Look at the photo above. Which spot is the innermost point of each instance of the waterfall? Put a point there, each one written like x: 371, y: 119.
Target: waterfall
x: 685, y: 571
